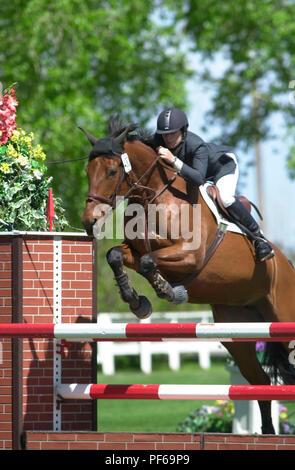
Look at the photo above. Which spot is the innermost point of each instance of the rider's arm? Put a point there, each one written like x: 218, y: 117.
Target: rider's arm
x: 195, y: 169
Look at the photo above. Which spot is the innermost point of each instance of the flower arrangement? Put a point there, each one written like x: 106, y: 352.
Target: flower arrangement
x: 24, y: 187
x: 213, y: 418
x: 286, y: 426
x: 219, y: 417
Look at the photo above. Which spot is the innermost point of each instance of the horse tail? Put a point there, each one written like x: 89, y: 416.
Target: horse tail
x: 279, y: 367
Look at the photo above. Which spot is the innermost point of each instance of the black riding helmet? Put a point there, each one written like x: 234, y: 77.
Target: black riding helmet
x: 171, y: 120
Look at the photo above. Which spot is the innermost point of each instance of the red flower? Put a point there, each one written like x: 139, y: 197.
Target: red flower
x: 8, y: 105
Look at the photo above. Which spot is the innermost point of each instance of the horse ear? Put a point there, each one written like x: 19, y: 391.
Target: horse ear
x: 120, y: 139
x: 90, y: 137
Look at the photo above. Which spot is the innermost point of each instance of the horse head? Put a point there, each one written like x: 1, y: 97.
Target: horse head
x: 105, y: 174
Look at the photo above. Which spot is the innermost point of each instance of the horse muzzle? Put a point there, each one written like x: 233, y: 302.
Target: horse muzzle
x: 88, y: 225
x: 94, y: 219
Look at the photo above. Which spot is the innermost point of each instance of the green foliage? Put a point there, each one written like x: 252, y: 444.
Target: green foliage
x: 76, y: 63
x: 257, y: 42
x: 24, y: 186
x: 291, y: 162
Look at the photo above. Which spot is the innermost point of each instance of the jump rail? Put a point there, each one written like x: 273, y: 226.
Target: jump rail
x: 152, y: 331
x: 175, y: 392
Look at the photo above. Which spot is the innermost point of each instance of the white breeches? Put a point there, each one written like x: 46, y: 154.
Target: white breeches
x: 227, y: 184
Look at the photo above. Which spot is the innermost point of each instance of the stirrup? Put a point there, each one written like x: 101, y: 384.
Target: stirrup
x: 268, y: 255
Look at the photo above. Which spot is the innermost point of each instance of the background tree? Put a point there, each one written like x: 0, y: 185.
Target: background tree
x: 76, y: 63
x: 257, y: 43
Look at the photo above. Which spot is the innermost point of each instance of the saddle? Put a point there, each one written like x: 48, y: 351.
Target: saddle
x: 213, y: 193
x: 211, y: 196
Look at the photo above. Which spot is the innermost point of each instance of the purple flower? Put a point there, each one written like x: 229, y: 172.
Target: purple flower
x: 260, y: 346
x: 286, y: 428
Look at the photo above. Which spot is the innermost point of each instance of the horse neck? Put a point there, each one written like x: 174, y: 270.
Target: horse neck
x: 142, y: 158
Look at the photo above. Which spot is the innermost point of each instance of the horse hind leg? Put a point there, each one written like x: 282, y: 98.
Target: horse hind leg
x: 149, y: 269
x: 276, y: 355
x: 245, y: 356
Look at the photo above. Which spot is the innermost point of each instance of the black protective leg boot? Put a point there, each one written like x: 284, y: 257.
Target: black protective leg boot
x: 238, y: 211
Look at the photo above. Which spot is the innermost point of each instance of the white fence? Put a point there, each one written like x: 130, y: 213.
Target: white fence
x: 107, y: 351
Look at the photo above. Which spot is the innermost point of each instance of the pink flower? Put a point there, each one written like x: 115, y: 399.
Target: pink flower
x: 8, y: 104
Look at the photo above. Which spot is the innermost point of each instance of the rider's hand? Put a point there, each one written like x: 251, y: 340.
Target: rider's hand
x: 165, y: 154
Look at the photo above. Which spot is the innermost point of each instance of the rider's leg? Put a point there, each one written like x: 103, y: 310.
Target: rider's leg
x: 227, y: 187
x: 239, y: 212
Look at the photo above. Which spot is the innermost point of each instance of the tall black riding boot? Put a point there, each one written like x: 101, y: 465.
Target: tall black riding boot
x: 238, y: 211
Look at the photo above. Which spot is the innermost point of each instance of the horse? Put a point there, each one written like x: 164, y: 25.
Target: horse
x: 221, y: 270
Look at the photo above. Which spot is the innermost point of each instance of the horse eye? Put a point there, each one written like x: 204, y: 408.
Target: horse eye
x: 112, y: 172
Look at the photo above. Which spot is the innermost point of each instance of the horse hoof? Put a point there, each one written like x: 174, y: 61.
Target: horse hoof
x: 268, y: 429
x: 146, y: 265
x: 179, y: 295
x: 144, y: 308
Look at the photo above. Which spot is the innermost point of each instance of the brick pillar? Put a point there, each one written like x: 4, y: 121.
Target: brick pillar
x: 78, y: 303
x: 5, y: 344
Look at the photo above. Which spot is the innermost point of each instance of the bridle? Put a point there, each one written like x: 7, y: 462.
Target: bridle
x: 111, y: 201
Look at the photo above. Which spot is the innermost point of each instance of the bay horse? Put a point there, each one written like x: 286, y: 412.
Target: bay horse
x: 228, y: 277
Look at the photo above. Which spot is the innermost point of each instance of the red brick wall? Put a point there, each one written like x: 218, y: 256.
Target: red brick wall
x: 5, y: 345
x: 78, y: 304
x: 156, y: 441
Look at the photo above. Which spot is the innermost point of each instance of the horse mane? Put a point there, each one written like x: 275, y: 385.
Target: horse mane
x: 116, y: 126
x: 111, y: 145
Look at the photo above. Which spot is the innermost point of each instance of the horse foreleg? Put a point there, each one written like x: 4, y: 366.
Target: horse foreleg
x: 245, y: 356
x: 117, y: 257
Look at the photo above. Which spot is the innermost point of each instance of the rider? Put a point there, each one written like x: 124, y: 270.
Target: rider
x: 198, y: 161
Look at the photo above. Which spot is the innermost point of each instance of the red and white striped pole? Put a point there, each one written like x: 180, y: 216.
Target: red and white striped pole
x: 175, y: 392
x: 153, y: 331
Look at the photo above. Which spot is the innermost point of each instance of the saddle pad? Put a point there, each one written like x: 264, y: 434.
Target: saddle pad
x: 231, y: 227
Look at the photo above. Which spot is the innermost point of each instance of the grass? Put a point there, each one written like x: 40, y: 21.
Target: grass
x: 154, y: 415
x: 158, y: 415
